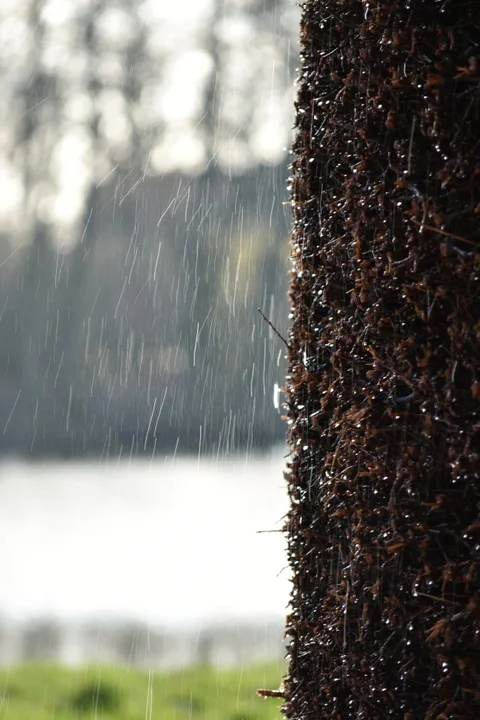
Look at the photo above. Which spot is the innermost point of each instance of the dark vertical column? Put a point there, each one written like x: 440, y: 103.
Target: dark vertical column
x: 383, y: 387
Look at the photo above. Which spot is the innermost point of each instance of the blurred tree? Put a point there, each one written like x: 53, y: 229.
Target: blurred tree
x: 127, y: 134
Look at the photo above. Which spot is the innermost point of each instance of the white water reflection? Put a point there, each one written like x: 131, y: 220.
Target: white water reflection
x: 171, y: 543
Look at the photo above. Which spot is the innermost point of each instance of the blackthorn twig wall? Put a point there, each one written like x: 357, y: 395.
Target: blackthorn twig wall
x: 383, y: 388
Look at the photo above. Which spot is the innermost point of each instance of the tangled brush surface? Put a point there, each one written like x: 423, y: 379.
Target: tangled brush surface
x: 383, y: 389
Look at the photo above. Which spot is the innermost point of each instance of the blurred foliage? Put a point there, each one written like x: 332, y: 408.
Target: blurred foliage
x: 143, y: 165
x: 40, y: 691
x: 96, y: 697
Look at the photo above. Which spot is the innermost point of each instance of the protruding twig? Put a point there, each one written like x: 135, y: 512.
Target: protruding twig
x: 274, y: 329
x: 446, y: 234
x: 269, y: 531
x: 280, y: 693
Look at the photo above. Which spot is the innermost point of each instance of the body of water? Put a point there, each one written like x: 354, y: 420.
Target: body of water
x: 171, y: 544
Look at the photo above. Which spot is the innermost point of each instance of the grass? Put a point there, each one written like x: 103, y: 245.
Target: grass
x: 42, y: 691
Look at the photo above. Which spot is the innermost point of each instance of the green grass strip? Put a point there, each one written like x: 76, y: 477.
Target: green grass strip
x: 43, y: 691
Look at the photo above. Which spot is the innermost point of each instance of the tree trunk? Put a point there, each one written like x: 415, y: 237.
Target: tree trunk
x: 383, y: 387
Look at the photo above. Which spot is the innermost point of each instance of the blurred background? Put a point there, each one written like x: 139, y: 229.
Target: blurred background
x: 143, y: 222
